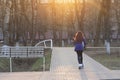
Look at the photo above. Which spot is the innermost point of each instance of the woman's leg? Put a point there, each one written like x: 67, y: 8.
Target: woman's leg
x: 80, y: 57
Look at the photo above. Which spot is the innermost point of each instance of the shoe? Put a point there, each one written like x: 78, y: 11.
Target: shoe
x: 81, y: 66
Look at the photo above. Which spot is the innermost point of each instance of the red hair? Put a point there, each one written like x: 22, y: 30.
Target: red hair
x: 79, y: 37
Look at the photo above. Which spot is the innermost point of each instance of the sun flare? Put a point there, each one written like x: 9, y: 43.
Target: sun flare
x: 68, y: 1
x: 65, y: 1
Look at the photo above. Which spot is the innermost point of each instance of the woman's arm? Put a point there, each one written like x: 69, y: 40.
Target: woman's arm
x: 84, y: 40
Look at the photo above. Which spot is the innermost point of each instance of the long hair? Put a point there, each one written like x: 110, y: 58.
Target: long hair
x: 78, y: 37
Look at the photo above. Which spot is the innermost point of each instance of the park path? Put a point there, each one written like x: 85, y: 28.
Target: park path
x: 64, y: 66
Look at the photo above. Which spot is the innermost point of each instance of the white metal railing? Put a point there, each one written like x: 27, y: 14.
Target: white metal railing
x: 101, y: 48
x: 46, y: 43
x: 111, y: 49
x: 26, y: 51
x: 22, y: 52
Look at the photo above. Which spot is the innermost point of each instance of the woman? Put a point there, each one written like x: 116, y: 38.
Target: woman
x: 80, y: 43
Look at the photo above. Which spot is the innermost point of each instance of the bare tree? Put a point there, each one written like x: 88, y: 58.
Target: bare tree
x: 117, y: 12
x: 32, y: 16
x: 6, y: 22
x: 54, y: 20
x: 80, y: 14
x: 103, y: 20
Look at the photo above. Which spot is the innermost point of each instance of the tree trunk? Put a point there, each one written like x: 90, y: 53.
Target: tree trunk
x: 103, y: 20
x: 80, y: 14
x: 6, y: 24
x: 107, y: 4
x: 54, y: 21
x: 117, y: 12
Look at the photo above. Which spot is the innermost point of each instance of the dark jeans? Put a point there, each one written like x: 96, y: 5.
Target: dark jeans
x: 80, y: 57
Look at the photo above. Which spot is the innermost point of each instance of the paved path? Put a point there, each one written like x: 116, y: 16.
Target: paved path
x: 64, y: 66
x: 64, y: 60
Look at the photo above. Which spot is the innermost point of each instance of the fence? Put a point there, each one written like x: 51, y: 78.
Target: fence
x: 22, y: 52
x: 46, y: 43
x: 26, y: 51
x: 104, y: 49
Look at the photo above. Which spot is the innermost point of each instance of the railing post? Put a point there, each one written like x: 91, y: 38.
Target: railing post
x: 27, y: 51
x: 44, y: 44
x: 43, y: 62
x: 10, y: 64
x: 9, y: 52
x: 10, y: 61
x: 51, y: 44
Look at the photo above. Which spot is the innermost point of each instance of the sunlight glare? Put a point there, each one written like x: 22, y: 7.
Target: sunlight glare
x: 65, y: 1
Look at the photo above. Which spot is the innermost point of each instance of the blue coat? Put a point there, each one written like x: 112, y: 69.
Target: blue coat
x: 80, y: 46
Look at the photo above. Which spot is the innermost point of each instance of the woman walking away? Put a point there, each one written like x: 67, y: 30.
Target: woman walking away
x: 80, y: 44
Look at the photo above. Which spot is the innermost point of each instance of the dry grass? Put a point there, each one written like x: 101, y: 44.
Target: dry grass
x: 111, y: 61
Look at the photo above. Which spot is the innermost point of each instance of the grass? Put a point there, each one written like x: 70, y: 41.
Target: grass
x: 26, y: 64
x: 4, y: 64
x: 40, y: 61
x: 111, y: 61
